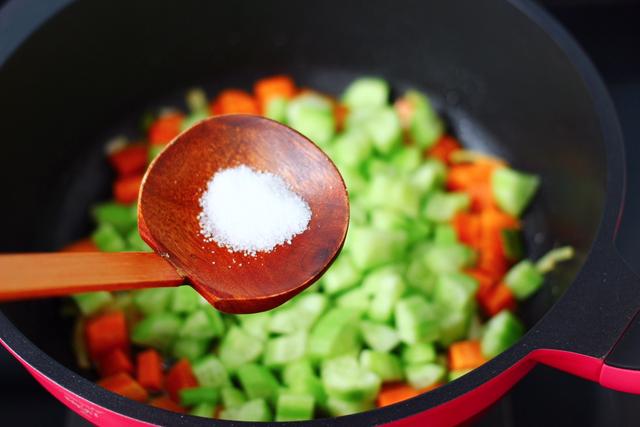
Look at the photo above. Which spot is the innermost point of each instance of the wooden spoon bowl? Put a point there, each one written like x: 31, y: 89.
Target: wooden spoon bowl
x: 232, y: 281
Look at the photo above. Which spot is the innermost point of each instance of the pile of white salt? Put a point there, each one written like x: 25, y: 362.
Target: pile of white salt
x: 250, y: 211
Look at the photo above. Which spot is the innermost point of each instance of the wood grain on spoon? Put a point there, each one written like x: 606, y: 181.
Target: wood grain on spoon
x: 168, y: 209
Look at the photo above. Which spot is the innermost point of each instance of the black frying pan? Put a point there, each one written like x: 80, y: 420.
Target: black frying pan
x: 506, y: 76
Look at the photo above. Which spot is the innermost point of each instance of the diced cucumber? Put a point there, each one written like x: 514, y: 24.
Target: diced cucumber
x: 344, y: 378
x: 255, y: 410
x: 454, y: 375
x: 356, y: 299
x: 416, y: 320
x: 425, y: 375
x: 312, y: 116
x: 341, y: 275
x: 447, y: 258
x: 123, y: 218
x: 340, y: 407
x: 512, y: 244
x: 379, y: 336
x: 210, y: 372
x: 154, y: 300
x: 157, y: 330
x: 407, y: 159
x: 371, y: 248
x: 258, y: 382
x: 185, y: 299
x: 524, y: 279
x: 205, y: 410
x: 354, y: 180
x: 428, y: 176
x: 239, y: 347
x: 387, y: 219
x: 454, y: 325
x: 444, y: 234
x: 501, y: 332
x: 383, y: 127
x: 300, y: 315
x: 277, y: 109
x: 202, y: 324
x: 196, y: 100
x: 425, y: 127
x: 442, y: 207
x: 191, y: 348
x: 285, y: 349
x: 351, y: 148
x: 336, y: 333
x: 294, y: 407
x: 366, y: 93
x: 92, y: 302
x: 419, y: 353
x: 418, y: 275
x: 107, y: 238
x: 300, y: 377
x: 387, y: 190
x: 193, y: 118
x: 513, y: 190
x: 386, y: 365
x: 231, y: 397
x: 386, y: 285
x: 197, y: 395
x: 455, y: 292
x: 257, y: 324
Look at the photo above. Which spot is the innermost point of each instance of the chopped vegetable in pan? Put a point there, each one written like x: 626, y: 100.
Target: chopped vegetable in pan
x: 424, y: 291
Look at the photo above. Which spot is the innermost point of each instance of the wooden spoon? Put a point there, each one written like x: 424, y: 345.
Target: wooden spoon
x: 168, y: 208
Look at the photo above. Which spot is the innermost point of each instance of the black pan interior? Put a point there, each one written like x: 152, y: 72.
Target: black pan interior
x: 90, y: 71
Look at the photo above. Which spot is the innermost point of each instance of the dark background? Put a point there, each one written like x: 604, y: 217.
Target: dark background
x: 609, y: 30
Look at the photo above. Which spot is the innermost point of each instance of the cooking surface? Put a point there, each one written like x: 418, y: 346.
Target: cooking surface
x: 546, y: 396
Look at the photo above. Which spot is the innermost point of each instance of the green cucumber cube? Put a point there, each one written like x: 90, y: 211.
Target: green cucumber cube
x: 379, y: 336
x: 425, y: 127
x: 154, y: 300
x: 416, y: 320
x: 341, y: 275
x: 123, y: 218
x: 387, y: 286
x: 197, y: 395
x: 366, y: 93
x: 344, y: 378
x: 157, y: 330
x: 340, y: 407
x: 258, y: 382
x: 383, y: 127
x: 205, y: 410
x: 231, y: 397
x: 92, y: 302
x: 107, y: 239
x: 285, y: 349
x: 442, y: 207
x: 336, y: 333
x: 185, y: 299
x: 202, y: 324
x: 386, y: 365
x: 191, y: 348
x: 277, y: 109
x: 255, y: 410
x: 256, y: 324
x: 451, y: 257
x: 524, y: 279
x: 513, y: 190
x: 371, y: 248
x: 210, y: 372
x: 429, y: 176
x: 294, y: 407
x: 351, y: 148
x: 300, y: 377
x: 424, y: 375
x: 239, y: 347
x: 419, y: 353
x: 501, y: 332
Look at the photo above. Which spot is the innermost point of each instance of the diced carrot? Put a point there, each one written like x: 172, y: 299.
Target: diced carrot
x: 130, y: 160
x: 481, y: 196
x: 124, y: 385
x: 492, y: 258
x: 463, y: 176
x: 180, y: 376
x: 443, y: 149
x: 83, y: 245
x: 269, y: 88
x: 125, y: 189
x: 114, y: 362
x: 105, y: 333
x: 165, y: 128
x: 465, y: 355
x: 397, y: 392
x: 164, y: 402
x: 234, y: 101
x: 340, y: 113
x: 150, y: 370
x: 467, y: 226
x: 497, y: 299
x: 485, y: 281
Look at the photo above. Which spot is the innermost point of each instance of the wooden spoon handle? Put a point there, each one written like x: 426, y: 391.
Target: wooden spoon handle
x: 52, y: 274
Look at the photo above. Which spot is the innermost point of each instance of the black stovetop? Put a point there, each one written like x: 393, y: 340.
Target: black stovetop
x: 610, y: 33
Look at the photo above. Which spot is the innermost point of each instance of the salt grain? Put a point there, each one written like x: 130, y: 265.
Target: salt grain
x: 250, y: 211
